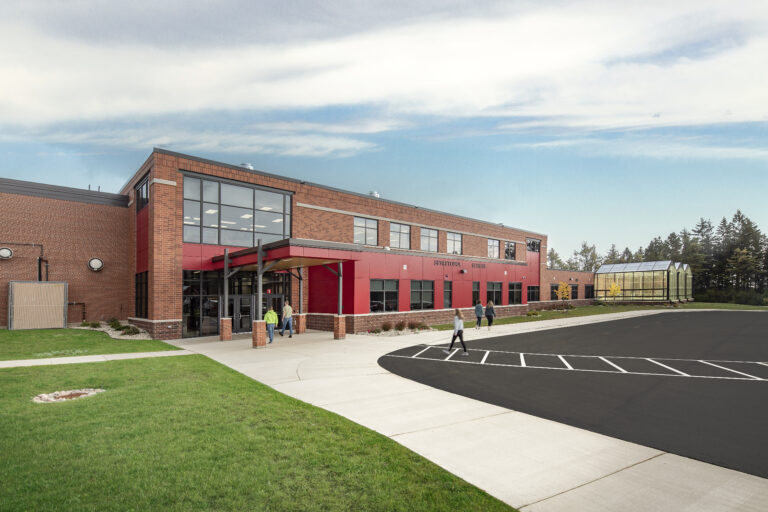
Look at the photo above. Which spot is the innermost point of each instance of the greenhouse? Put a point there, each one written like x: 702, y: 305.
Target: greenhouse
x: 649, y: 281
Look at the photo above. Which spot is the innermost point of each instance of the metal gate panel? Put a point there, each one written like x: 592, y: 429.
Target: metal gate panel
x: 37, y: 305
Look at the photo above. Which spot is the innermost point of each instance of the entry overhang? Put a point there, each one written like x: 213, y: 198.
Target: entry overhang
x: 289, y: 254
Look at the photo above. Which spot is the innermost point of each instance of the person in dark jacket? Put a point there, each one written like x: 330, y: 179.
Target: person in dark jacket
x: 490, y: 314
x: 478, y: 314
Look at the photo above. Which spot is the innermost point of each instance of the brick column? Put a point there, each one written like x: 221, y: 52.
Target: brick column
x: 225, y: 329
x: 339, y: 327
x: 259, y: 333
x: 300, y: 323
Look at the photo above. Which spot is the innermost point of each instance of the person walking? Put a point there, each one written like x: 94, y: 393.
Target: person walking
x: 478, y: 314
x: 287, y: 319
x: 458, y: 332
x: 271, y: 320
x: 490, y: 314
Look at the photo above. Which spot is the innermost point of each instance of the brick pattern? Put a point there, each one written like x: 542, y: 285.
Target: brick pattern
x: 259, y: 334
x: 300, y: 323
x: 225, y: 329
x: 168, y: 330
x: 550, y: 277
x: 339, y: 327
x: 71, y: 233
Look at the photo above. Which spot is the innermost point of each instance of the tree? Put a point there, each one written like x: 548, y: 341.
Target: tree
x: 626, y: 256
x: 639, y: 255
x: 554, y: 260
x: 612, y: 256
x: 615, y: 290
x: 563, y: 293
x: 656, y: 250
x: 585, y: 259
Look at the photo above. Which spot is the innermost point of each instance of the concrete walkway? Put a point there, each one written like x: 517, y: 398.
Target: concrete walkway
x: 92, y: 359
x: 528, y: 462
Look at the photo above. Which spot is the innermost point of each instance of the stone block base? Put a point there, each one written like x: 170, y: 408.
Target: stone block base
x: 339, y: 327
x: 259, y: 333
x: 300, y: 323
x: 225, y: 329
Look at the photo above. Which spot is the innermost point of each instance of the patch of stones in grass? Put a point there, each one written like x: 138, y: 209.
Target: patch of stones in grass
x: 116, y: 334
x: 63, y: 396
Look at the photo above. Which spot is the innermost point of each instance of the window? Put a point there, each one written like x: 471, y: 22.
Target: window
x: 493, y: 292
x: 399, y: 236
x: 454, y: 243
x: 574, y: 291
x: 493, y: 249
x: 447, y: 294
x: 475, y: 292
x: 533, y: 294
x: 553, y: 291
x: 589, y: 291
x: 366, y: 231
x: 422, y: 295
x: 222, y: 213
x: 515, y: 293
x: 509, y: 250
x: 429, y: 240
x: 533, y: 244
x: 384, y: 296
x: 142, y: 193
x: 141, y: 295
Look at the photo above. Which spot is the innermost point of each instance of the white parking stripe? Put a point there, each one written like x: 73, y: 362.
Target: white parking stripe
x: 451, y: 354
x: 734, y: 371
x: 485, y: 356
x: 565, y: 362
x: 421, y: 352
x: 522, y: 360
x: 622, y: 370
x: 764, y: 364
x: 668, y: 367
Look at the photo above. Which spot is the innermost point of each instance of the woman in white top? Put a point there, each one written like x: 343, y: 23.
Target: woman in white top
x: 458, y: 332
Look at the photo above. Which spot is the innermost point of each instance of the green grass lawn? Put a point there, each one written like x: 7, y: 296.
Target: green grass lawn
x: 186, y: 433
x: 598, y: 310
x: 42, y: 343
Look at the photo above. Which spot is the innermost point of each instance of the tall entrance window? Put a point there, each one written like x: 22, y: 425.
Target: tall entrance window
x: 447, y: 294
x: 475, y: 292
x: 220, y: 213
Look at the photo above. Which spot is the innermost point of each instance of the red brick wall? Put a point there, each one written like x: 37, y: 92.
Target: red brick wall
x: 71, y: 233
x: 550, y: 277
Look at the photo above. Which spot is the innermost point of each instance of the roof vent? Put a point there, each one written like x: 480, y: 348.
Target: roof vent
x: 247, y: 166
x: 373, y: 193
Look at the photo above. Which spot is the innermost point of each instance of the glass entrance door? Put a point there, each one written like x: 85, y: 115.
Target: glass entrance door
x: 274, y: 300
x: 240, y: 310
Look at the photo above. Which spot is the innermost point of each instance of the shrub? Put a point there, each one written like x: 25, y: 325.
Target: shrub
x: 85, y: 324
x: 598, y: 303
x: 567, y: 306
x: 124, y: 327
x: 423, y: 326
x: 95, y: 325
x: 532, y: 313
x: 386, y: 326
x: 413, y: 325
x: 375, y: 331
x: 114, y: 323
x: 131, y: 330
x: 399, y: 326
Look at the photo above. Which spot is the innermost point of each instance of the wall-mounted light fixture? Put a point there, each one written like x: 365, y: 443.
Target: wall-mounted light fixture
x: 95, y: 264
x: 6, y: 253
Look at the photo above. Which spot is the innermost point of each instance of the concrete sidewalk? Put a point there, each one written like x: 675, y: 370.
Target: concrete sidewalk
x: 528, y: 462
x: 91, y: 359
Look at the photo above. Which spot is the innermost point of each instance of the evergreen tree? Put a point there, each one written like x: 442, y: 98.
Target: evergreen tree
x: 554, y: 260
x: 612, y: 256
x: 627, y: 256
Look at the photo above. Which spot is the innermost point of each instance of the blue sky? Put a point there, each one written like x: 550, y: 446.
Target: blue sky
x: 606, y: 122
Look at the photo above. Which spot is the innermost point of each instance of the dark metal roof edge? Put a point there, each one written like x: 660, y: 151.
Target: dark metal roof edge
x: 29, y: 188
x: 326, y: 187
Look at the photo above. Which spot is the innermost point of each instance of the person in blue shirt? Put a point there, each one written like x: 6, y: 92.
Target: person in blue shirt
x: 478, y: 314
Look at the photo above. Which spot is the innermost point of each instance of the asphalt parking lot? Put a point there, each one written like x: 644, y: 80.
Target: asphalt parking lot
x: 690, y: 383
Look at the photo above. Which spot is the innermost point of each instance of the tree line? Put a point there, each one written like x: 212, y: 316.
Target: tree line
x: 729, y: 262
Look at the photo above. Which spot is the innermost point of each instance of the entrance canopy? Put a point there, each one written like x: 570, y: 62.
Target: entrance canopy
x: 285, y: 255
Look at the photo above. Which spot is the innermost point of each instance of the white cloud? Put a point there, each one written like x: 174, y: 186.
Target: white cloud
x: 581, y: 64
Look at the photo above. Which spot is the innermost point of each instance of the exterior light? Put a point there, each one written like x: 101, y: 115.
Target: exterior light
x: 6, y: 253
x: 95, y: 264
